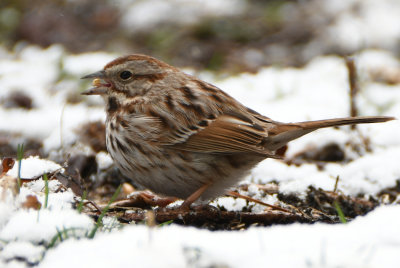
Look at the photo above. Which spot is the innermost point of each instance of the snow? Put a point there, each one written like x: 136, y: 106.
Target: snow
x: 33, y: 166
x: 356, y: 244
x: 31, y: 252
x: 375, y: 25
x: 230, y: 203
x: 366, y: 175
x: 43, y: 224
x: 144, y: 15
x: 23, y: 231
x: 321, y: 86
x: 104, y: 160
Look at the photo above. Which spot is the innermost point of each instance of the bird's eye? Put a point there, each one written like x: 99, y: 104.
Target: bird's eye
x: 125, y: 75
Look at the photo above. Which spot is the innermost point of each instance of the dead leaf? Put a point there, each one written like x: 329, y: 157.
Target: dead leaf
x: 32, y: 202
x: 7, y: 164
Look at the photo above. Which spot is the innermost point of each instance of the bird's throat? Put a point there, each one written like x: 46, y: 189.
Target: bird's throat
x: 112, y: 105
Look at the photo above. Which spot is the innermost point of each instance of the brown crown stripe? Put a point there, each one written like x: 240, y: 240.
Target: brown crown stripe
x: 137, y: 57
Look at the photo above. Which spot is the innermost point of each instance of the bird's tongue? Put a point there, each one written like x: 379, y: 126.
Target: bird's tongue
x: 100, y: 83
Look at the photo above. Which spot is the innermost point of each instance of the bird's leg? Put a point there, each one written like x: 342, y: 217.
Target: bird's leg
x: 156, y: 200
x: 193, y: 197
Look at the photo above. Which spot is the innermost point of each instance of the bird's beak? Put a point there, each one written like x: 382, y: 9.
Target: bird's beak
x: 100, y: 87
x: 100, y: 74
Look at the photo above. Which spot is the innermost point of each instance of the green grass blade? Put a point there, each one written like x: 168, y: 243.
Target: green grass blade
x: 103, y: 212
x: 46, y: 190
x: 340, y: 212
x: 20, y: 155
x: 166, y: 223
x: 80, y: 206
x: 53, y: 240
x: 65, y: 232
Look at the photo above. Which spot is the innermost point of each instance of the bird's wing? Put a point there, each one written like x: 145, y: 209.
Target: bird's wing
x: 226, y: 134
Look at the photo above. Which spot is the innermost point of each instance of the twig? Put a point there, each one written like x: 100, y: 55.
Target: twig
x: 61, y: 126
x: 202, y: 217
x: 336, y: 184
x: 94, y: 205
x: 354, y: 86
x: 354, y: 90
x: 235, y: 194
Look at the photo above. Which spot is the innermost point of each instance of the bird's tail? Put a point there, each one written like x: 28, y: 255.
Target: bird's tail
x: 283, y: 133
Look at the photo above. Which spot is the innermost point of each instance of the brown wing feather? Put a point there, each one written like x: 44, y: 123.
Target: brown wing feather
x: 227, y: 134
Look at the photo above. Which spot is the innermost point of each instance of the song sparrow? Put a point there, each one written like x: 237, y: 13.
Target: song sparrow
x: 180, y: 136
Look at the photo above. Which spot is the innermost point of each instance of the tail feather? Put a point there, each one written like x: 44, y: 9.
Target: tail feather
x: 344, y: 121
x: 283, y: 133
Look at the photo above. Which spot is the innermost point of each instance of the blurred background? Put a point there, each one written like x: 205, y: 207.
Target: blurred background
x: 229, y: 35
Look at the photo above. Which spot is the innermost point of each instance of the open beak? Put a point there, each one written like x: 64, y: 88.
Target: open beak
x: 100, y: 87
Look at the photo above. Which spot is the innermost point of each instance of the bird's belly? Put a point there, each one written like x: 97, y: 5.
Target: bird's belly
x: 174, y: 172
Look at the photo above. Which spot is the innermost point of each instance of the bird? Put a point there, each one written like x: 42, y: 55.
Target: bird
x: 180, y: 136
